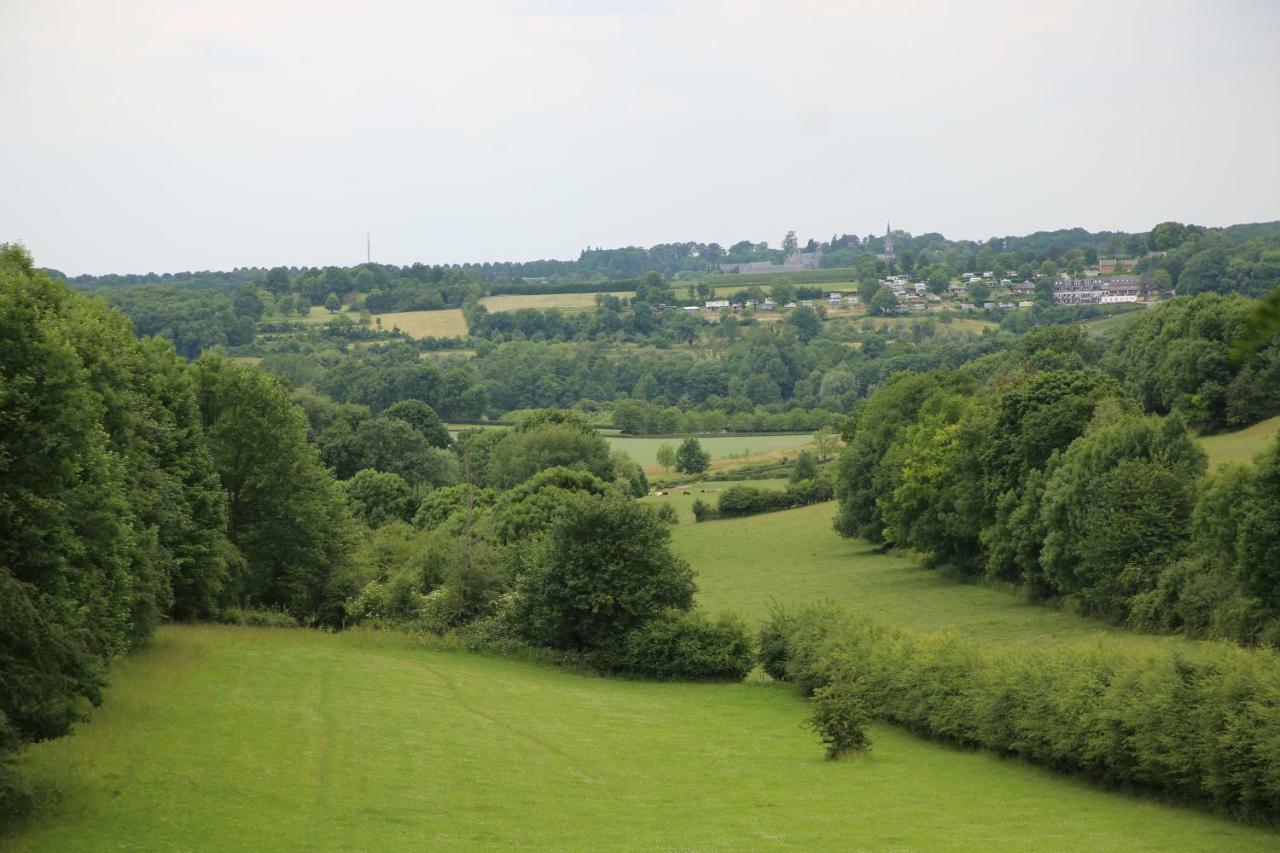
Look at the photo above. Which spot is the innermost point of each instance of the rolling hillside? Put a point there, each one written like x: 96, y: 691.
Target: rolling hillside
x: 219, y: 738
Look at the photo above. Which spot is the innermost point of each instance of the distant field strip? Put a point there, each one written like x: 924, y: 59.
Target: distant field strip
x: 644, y: 449
x: 1240, y: 446
x: 222, y: 738
x: 515, y: 302
x: 445, y: 323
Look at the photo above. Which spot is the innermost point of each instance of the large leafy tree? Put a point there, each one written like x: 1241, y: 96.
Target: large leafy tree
x: 287, y: 516
x: 1117, y: 508
x: 548, y: 439
x: 111, y: 515
x: 584, y: 590
x: 423, y: 418
x: 691, y: 458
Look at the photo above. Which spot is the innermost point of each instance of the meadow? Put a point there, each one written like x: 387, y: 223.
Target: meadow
x: 444, y: 323
x: 794, y: 557
x: 682, y: 498
x: 644, y: 449
x: 221, y: 738
x: 1242, y: 445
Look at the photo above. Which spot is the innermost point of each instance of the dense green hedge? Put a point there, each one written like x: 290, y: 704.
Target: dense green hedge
x: 684, y: 646
x: 737, y: 501
x: 1200, y: 724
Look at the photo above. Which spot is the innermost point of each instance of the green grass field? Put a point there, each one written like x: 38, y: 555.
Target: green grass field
x: 794, y: 557
x: 708, y: 492
x: 220, y: 738
x: 645, y: 449
x: 1240, y: 446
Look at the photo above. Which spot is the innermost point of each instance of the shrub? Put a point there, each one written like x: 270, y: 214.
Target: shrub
x: 257, y: 617
x: 703, y: 511
x: 585, y: 591
x: 666, y: 512
x: 685, y: 646
x: 16, y: 794
x: 839, y: 715
x: 737, y: 501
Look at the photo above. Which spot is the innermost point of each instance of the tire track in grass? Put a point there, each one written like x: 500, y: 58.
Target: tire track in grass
x: 501, y: 725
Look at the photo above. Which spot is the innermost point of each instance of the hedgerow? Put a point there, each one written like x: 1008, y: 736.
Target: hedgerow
x: 1199, y: 725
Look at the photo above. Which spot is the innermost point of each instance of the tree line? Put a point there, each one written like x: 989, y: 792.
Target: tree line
x: 1073, y: 473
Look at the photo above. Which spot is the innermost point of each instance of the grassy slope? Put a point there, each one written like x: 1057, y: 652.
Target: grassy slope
x: 221, y: 738
x: 1240, y: 446
x: 794, y: 556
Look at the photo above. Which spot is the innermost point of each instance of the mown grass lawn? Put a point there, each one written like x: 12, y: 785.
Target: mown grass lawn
x: 221, y: 738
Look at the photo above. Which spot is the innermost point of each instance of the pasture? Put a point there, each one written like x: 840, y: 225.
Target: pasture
x: 567, y: 301
x: 794, y: 557
x: 1242, y: 445
x: 708, y: 492
x: 444, y: 323
x: 644, y: 449
x: 222, y: 738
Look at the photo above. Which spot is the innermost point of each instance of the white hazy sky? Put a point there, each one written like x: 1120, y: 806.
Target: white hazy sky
x: 163, y: 136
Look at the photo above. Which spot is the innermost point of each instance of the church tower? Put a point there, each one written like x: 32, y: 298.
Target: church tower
x: 889, y: 256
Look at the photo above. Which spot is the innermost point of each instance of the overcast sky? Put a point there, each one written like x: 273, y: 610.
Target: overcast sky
x: 169, y: 136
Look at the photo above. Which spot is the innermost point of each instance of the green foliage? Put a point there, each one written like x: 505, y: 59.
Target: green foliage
x: 666, y: 457
x: 541, y: 442
x: 1200, y: 727
x: 702, y: 511
x: 377, y: 497
x: 840, y: 717
x: 584, y: 591
x: 684, y: 646
x: 448, y: 505
x: 288, y: 518
x: 691, y: 458
x: 111, y: 515
x: 738, y: 500
x: 629, y: 477
x: 1117, y: 508
x: 423, y: 418
x: 256, y: 617
x: 1180, y: 359
x: 805, y: 467
x: 531, y: 507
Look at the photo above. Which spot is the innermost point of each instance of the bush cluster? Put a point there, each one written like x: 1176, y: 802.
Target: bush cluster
x: 737, y: 501
x: 684, y: 646
x: 1200, y: 725
x: 257, y: 617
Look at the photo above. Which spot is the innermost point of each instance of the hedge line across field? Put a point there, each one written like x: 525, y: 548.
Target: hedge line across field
x: 1200, y: 724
